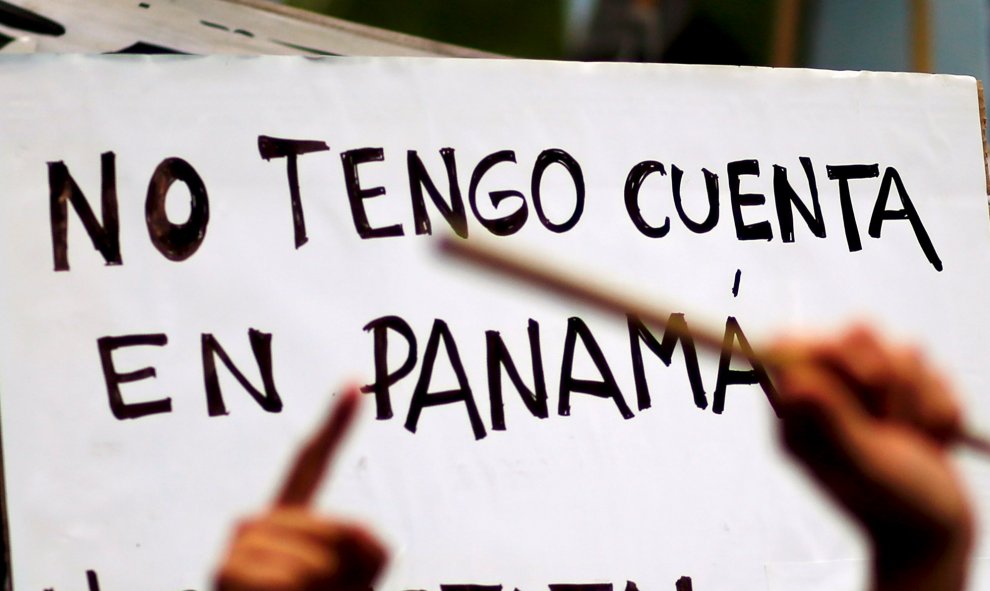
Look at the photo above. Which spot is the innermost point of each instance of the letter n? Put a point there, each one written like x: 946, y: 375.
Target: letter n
x: 64, y: 190
x: 498, y: 359
x: 261, y: 345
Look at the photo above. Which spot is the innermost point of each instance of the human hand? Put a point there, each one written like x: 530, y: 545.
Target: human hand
x: 290, y: 547
x: 872, y: 423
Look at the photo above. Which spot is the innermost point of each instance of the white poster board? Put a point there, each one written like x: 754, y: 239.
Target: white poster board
x: 635, y: 485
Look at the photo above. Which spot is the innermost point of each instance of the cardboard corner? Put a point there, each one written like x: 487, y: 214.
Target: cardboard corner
x: 983, y: 131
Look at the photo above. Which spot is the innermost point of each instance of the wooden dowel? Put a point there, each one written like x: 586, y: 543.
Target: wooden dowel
x: 787, y: 22
x: 922, y: 52
x: 586, y: 288
x: 592, y: 291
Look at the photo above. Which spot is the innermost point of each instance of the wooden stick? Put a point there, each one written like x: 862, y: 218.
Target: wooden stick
x: 787, y: 22
x: 922, y: 54
x: 981, y: 99
x: 586, y: 288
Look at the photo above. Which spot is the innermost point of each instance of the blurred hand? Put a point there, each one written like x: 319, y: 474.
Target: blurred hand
x: 872, y: 423
x: 291, y: 548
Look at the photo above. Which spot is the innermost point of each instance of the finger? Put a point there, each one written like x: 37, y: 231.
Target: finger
x: 310, y: 465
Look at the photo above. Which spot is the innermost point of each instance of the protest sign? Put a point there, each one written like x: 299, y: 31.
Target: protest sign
x: 196, y: 252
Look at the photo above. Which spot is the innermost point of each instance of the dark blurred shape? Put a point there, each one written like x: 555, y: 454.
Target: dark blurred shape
x: 703, y: 41
x: 520, y: 28
x: 26, y: 20
x: 680, y: 31
x: 143, y: 48
x: 312, y: 50
x: 732, y: 32
x: 626, y: 30
x: 749, y: 23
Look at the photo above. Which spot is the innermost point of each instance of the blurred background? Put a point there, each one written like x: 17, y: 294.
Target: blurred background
x: 945, y: 36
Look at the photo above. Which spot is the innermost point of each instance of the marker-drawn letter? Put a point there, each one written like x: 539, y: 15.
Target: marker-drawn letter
x: 607, y: 387
x: 677, y: 325
x: 261, y: 346
x: 545, y: 159
x: 357, y: 194
x: 120, y: 409
x: 711, y: 187
x: 64, y: 190
x: 634, y: 183
x: 92, y: 580
x: 454, y: 213
x: 273, y: 147
x: 177, y: 242
x: 907, y: 212
x: 728, y: 376
x: 509, y: 223
x: 423, y: 398
x: 384, y: 379
x: 499, y: 358
x: 760, y: 230
x: 785, y: 198
x: 469, y: 587
x: 580, y: 586
x: 844, y: 174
